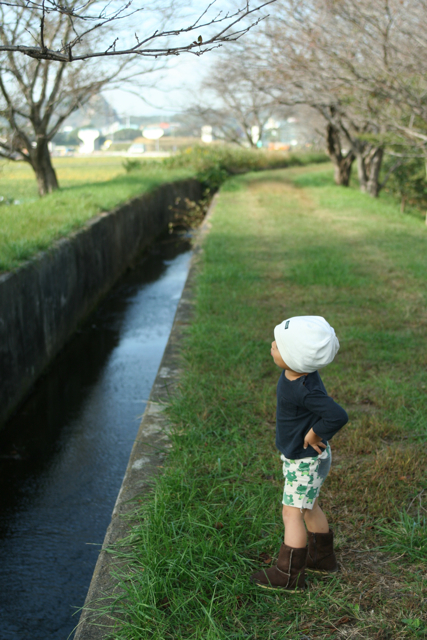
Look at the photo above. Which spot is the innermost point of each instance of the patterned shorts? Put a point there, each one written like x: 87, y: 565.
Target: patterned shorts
x: 304, y: 478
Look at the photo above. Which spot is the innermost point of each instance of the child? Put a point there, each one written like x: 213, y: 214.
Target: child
x: 306, y: 419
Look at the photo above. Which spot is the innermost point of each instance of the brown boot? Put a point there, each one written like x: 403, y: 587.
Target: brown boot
x: 321, y: 556
x: 288, y: 573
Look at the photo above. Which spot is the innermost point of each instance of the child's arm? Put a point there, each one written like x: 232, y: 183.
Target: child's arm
x: 332, y: 417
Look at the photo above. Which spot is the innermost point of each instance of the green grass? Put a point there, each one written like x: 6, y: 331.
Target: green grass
x: 407, y: 537
x: 286, y: 243
x: 17, y: 180
x: 89, y: 186
x: 213, y: 164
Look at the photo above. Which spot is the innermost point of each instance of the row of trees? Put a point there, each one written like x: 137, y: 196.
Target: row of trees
x: 359, y: 65
x: 55, y: 56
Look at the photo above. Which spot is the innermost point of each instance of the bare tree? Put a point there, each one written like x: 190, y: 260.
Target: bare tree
x: 39, y: 90
x: 352, y: 136
x: 390, y: 69
x: 82, y: 21
x: 308, y: 46
x: 362, y: 65
x: 357, y: 43
x: 231, y: 100
x: 36, y: 96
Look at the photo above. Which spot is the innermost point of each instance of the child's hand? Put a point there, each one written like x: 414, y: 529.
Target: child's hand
x: 315, y: 441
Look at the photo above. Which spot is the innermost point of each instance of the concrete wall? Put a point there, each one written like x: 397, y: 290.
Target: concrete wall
x: 42, y: 302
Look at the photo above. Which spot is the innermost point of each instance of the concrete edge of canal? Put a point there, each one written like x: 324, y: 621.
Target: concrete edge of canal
x: 146, y: 458
x: 43, y: 301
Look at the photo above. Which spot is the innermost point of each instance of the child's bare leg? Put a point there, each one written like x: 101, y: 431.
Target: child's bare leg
x: 295, y: 534
x: 315, y: 519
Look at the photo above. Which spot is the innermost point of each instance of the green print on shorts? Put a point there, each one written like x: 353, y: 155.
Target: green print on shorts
x: 304, y: 478
x: 301, y: 490
x: 288, y: 500
x: 291, y: 476
x: 304, y: 468
x: 311, y: 494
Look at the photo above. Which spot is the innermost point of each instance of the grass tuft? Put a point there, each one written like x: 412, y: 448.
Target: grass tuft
x: 407, y: 536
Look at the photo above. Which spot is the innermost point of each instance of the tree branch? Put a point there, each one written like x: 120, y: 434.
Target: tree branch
x: 143, y: 48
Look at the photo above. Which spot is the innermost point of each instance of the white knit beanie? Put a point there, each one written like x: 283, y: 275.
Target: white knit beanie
x: 306, y: 343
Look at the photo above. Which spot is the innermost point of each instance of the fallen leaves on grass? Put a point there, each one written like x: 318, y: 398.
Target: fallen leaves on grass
x: 265, y: 557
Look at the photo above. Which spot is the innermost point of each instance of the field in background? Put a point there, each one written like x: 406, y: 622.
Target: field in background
x: 17, y: 181
x: 92, y: 185
x: 286, y: 243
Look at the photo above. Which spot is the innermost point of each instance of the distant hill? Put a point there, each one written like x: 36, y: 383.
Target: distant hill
x: 97, y: 113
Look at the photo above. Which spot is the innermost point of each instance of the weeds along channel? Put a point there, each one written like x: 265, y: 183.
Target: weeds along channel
x: 287, y: 243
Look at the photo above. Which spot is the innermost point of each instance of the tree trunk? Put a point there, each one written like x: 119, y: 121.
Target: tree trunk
x: 361, y: 172
x: 342, y: 171
x: 368, y: 167
x: 373, y: 186
x: 342, y: 163
x: 42, y: 165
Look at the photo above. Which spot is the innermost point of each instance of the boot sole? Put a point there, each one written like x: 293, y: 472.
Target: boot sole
x: 322, y: 571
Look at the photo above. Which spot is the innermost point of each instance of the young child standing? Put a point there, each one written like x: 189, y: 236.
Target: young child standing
x: 306, y: 419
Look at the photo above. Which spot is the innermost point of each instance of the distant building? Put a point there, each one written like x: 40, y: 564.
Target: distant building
x: 206, y: 133
x: 88, y: 137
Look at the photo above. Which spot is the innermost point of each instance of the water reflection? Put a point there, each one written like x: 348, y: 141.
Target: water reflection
x: 63, y: 456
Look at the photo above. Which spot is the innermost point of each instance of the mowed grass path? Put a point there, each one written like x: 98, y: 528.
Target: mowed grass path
x: 89, y: 186
x: 287, y: 243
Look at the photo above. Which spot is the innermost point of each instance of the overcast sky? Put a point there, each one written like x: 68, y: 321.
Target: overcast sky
x: 172, y: 88
x: 171, y: 91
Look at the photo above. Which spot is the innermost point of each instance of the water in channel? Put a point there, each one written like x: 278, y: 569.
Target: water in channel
x: 64, y: 454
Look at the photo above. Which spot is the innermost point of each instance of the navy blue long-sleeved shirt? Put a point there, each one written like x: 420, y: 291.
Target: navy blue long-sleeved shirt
x: 304, y: 404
